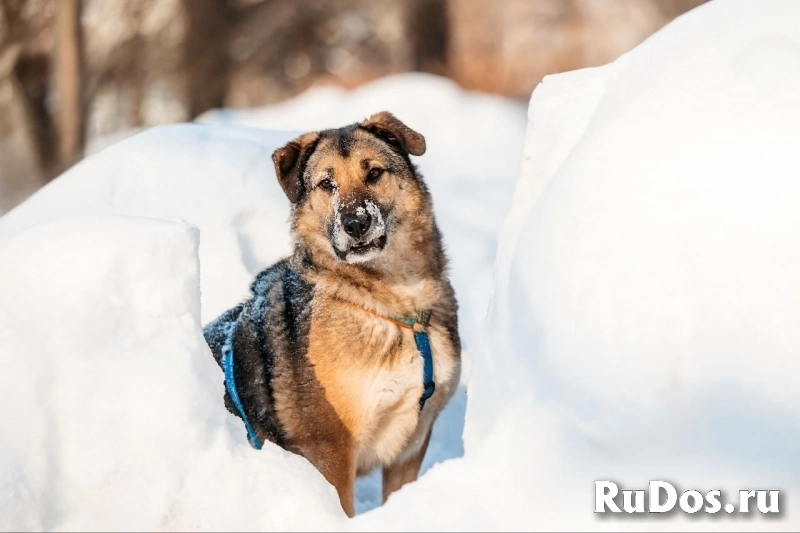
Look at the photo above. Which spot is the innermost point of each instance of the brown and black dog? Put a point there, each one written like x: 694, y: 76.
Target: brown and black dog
x: 325, y: 358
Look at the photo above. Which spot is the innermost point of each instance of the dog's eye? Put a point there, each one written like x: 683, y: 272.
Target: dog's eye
x: 374, y: 174
x: 326, y: 184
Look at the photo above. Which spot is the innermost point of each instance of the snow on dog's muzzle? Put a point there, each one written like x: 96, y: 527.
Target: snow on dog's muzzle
x: 357, y: 223
x: 360, y: 233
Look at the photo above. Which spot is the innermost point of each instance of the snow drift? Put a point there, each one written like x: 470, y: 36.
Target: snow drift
x: 112, y: 418
x: 652, y: 286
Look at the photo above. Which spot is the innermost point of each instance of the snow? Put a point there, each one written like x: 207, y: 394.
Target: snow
x: 643, y: 312
x: 217, y: 179
x: 651, y: 265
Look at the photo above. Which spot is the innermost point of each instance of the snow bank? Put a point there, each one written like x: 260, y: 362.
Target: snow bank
x: 645, y: 317
x: 112, y: 418
x: 218, y: 179
x: 659, y: 264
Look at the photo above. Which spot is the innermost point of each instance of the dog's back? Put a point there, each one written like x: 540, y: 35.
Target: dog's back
x: 269, y: 329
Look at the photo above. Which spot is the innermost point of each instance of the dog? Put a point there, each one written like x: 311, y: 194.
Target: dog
x: 348, y: 349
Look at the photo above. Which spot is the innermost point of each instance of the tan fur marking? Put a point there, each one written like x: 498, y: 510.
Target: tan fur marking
x: 398, y: 474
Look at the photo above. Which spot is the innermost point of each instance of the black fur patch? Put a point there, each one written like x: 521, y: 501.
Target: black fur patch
x: 272, y: 325
x: 341, y: 139
x: 344, y: 144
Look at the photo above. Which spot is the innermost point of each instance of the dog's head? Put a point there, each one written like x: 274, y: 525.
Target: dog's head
x: 355, y: 193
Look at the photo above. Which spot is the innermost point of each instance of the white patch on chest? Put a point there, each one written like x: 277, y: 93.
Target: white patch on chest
x: 391, y: 401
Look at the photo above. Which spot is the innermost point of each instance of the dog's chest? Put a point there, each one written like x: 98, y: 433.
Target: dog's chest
x: 392, y: 423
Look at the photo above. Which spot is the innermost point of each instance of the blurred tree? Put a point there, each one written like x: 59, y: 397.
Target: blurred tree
x: 71, y: 108
x: 209, y: 30
x: 27, y: 133
x: 135, y: 62
x: 429, y: 34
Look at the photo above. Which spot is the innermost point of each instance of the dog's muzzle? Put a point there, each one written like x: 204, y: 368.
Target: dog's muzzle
x: 360, y: 234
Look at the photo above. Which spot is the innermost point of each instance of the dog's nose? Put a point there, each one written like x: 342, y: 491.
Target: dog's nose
x: 356, y: 224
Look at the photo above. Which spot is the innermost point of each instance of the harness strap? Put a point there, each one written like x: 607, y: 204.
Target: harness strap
x: 424, y: 347
x: 230, y: 386
x: 417, y: 324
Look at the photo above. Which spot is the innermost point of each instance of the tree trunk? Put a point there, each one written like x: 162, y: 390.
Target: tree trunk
x: 71, y: 113
x: 429, y: 32
x: 209, y: 28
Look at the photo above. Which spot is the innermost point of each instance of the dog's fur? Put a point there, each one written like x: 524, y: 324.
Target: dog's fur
x: 317, y: 370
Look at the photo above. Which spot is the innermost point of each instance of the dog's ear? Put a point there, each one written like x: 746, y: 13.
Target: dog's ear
x: 290, y: 161
x: 390, y: 129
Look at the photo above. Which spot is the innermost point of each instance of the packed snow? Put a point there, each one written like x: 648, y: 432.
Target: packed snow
x: 643, y: 301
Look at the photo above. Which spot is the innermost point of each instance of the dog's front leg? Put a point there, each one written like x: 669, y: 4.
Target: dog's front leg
x: 398, y: 474
x: 337, y: 463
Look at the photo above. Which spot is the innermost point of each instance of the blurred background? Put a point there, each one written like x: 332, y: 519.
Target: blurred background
x: 80, y: 73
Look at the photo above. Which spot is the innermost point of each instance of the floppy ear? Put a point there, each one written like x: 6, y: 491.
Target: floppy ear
x: 390, y: 129
x: 290, y: 162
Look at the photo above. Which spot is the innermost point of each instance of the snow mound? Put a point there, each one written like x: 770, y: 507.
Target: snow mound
x: 480, y: 133
x: 112, y: 418
x: 645, y: 312
x: 219, y: 179
x: 654, y: 282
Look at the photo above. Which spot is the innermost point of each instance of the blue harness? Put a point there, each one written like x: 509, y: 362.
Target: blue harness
x: 420, y: 338
x: 230, y: 386
x: 423, y: 346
